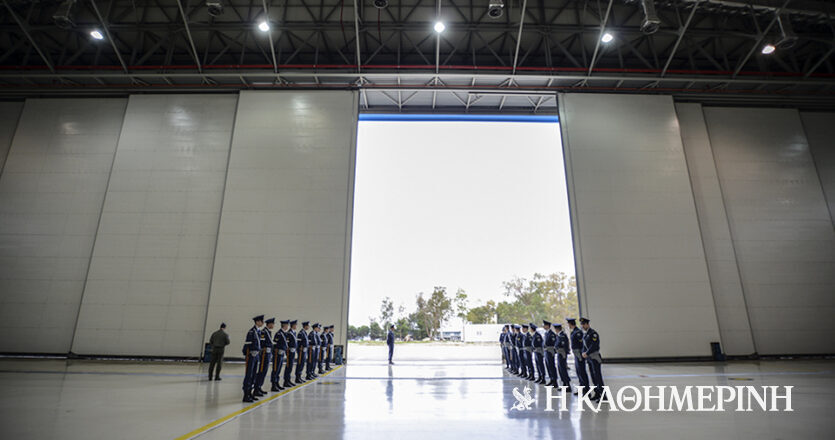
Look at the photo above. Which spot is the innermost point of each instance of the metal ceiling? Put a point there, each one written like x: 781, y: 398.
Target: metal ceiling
x: 703, y: 49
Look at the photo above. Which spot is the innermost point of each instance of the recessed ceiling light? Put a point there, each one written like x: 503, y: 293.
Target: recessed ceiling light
x: 439, y: 27
x: 263, y: 26
x: 607, y: 37
x: 768, y: 49
x: 96, y: 34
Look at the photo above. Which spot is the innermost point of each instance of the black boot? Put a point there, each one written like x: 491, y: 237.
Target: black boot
x: 321, y: 371
x: 218, y: 378
x: 248, y: 398
x: 275, y: 387
x: 288, y: 384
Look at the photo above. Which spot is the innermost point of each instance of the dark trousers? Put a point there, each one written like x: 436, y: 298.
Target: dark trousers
x: 321, y: 357
x: 291, y: 359
x: 580, y: 366
x: 328, y: 357
x: 301, y: 363
x: 523, y: 363
x: 275, y: 376
x: 529, y: 357
x: 540, y: 365
x: 216, y: 362
x: 596, y: 376
x: 263, y: 368
x: 549, y: 364
x: 562, y: 366
x: 311, y: 361
x: 514, y: 355
x: 250, y: 372
x: 391, y: 351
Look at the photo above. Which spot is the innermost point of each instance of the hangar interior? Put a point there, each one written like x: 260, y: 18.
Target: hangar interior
x: 167, y: 165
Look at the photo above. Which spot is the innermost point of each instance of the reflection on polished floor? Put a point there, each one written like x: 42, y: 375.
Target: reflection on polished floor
x: 411, y: 400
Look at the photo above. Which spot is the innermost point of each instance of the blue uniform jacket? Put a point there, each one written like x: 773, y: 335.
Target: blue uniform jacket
x: 280, y: 340
x: 266, y: 339
x: 527, y: 341
x: 390, y: 338
x: 562, y: 341
x: 550, y: 338
x: 591, y: 342
x: 330, y: 338
x: 301, y: 340
x: 290, y: 335
x: 576, y: 339
x: 537, y: 340
x: 252, y: 342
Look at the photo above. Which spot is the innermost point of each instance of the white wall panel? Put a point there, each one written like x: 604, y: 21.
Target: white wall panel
x: 9, y: 114
x: 781, y: 226
x: 148, y: 285
x: 820, y: 131
x: 642, y: 272
x: 284, y: 238
x: 725, y: 282
x: 51, y: 194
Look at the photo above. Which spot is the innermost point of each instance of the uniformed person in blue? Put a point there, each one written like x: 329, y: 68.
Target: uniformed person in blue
x: 562, y: 357
x: 279, y: 352
x: 292, y: 350
x: 329, y: 356
x: 266, y: 339
x: 550, y: 346
x: 527, y: 343
x: 520, y: 347
x: 390, y: 343
x: 251, y: 351
x: 576, y: 337
x: 591, y: 352
x: 312, y: 351
x: 301, y: 351
x: 503, y: 344
x: 538, y: 351
x: 514, y: 350
x: 323, y: 349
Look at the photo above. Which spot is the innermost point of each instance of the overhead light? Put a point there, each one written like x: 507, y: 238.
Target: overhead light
x: 607, y: 37
x: 215, y: 7
x: 63, y: 15
x: 768, y: 49
x: 495, y: 9
x: 651, y: 22
x: 264, y: 26
x: 439, y: 27
x: 381, y: 4
x: 95, y: 33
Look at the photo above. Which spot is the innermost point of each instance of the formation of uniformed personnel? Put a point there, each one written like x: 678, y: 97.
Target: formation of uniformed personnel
x: 219, y: 340
x: 251, y: 351
x: 532, y: 355
x: 308, y: 349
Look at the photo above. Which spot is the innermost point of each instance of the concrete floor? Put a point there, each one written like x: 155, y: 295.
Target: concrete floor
x: 47, y: 399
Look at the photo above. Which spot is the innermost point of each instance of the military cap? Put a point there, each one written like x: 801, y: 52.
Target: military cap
x: 516, y: 326
x: 330, y: 326
x: 286, y: 321
x: 524, y: 325
x: 304, y: 323
x: 584, y: 320
x: 222, y: 325
x: 533, y: 326
x: 258, y: 318
x: 315, y: 325
x: 544, y: 322
x: 294, y: 321
x: 557, y: 324
x: 270, y: 321
x: 570, y: 320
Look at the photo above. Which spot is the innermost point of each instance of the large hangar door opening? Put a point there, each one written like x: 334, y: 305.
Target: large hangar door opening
x: 461, y: 224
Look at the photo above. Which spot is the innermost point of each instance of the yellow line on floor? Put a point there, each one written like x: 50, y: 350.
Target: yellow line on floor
x: 202, y: 430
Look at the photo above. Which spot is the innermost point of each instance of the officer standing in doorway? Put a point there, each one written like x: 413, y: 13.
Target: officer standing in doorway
x: 266, y: 339
x: 251, y: 350
x: 538, y: 351
x: 591, y: 352
x: 219, y: 340
x: 390, y: 343
x: 562, y: 357
x: 576, y: 338
x: 279, y: 350
x: 301, y: 342
x: 292, y: 349
x: 550, y: 348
